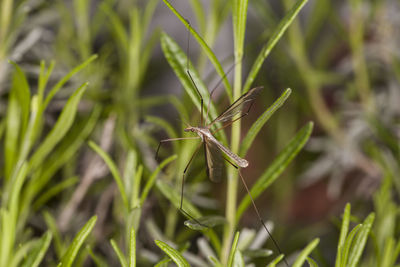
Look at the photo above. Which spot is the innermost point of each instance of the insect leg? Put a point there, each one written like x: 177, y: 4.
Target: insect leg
x: 257, y: 212
x: 190, y: 76
x: 183, y: 185
x: 173, y: 139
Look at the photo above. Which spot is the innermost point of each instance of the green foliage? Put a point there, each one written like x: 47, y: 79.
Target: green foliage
x: 78, y: 138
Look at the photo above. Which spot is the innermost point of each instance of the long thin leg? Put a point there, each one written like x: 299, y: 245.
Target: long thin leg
x: 256, y: 210
x: 183, y: 184
x: 215, y: 87
x: 173, y: 139
x: 259, y: 217
x: 232, y: 121
x: 190, y: 76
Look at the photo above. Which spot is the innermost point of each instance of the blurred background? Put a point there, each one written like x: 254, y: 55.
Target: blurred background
x: 340, y: 59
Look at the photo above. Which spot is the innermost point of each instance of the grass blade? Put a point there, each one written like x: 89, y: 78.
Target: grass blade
x: 276, y: 35
x: 114, y: 170
x: 259, y: 123
x: 120, y: 254
x: 35, y: 257
x: 207, y: 50
x: 343, y: 233
x: 360, y: 241
x: 59, y: 130
x: 72, y: 251
x: 132, y: 248
x: 233, y: 250
x: 275, y: 261
x: 277, y: 167
x: 173, y: 254
x: 305, y: 252
x: 153, y: 177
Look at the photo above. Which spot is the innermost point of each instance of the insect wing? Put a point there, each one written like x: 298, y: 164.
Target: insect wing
x: 214, y: 160
x: 238, y: 105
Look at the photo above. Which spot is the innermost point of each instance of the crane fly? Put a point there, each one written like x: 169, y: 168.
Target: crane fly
x: 214, y: 151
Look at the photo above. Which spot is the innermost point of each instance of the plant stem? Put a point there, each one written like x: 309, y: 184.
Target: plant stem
x: 232, y: 187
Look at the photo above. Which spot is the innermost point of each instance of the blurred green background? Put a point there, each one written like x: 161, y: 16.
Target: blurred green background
x: 89, y: 88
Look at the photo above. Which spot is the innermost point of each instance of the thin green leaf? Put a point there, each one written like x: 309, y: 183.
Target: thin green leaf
x: 52, y: 226
x: 360, y: 241
x: 22, y: 92
x: 173, y: 254
x: 114, y: 170
x: 276, y: 35
x: 311, y: 262
x: 239, y: 16
x: 65, y: 79
x: 233, y: 250
x: 276, y: 261
x: 259, y: 123
x: 343, y: 233
x: 347, y: 245
x: 301, y: 258
x: 120, y: 254
x: 179, y: 63
x: 73, y: 249
x: 59, y: 130
x: 207, y: 50
x: 54, y: 191
x: 132, y: 248
x: 35, y: 257
x: 277, y: 167
x: 153, y: 177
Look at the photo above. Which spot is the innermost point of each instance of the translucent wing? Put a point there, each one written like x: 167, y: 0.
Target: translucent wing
x: 214, y: 160
x: 238, y: 105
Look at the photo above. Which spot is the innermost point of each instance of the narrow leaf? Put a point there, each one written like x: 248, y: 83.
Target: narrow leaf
x: 275, y: 37
x: 305, y: 252
x: 59, y: 130
x: 205, y: 222
x: 360, y: 241
x: 114, y: 170
x: 73, y: 249
x: 275, y: 261
x: 207, y: 50
x: 173, y: 254
x: 259, y: 123
x: 153, y: 177
x: 233, y: 249
x: 35, y: 257
x: 119, y: 253
x: 277, y: 167
x: 132, y: 248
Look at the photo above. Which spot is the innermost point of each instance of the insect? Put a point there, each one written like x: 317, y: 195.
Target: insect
x: 215, y: 152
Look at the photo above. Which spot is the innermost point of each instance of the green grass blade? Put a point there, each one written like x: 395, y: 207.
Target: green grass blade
x: 119, y: 253
x: 153, y: 177
x: 275, y: 37
x: 259, y: 123
x: 35, y: 257
x: 311, y: 262
x: 76, y: 244
x: 207, y: 50
x: 57, y: 87
x: 343, y: 233
x: 114, y: 170
x: 347, y: 245
x: 173, y: 254
x: 22, y: 92
x: 54, y: 191
x: 52, y: 226
x: 305, y: 252
x: 239, y: 16
x: 233, y: 250
x: 132, y: 248
x: 360, y: 241
x: 277, y: 167
x: 59, y: 130
x: 178, y: 62
x: 276, y: 261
